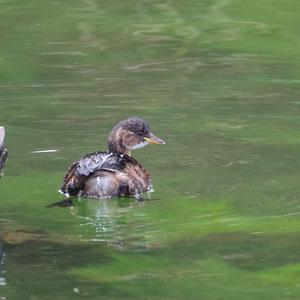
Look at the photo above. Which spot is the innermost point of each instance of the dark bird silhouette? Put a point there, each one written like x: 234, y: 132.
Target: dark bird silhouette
x: 113, y: 173
x: 3, y: 151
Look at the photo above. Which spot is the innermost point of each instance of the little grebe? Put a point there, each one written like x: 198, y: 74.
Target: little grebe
x: 113, y: 173
x: 3, y: 151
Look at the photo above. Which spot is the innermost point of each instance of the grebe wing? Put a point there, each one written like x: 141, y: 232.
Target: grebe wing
x: 99, y: 160
x: 80, y: 170
x: 105, y: 175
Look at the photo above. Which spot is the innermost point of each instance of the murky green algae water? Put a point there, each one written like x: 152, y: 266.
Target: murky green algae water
x: 219, y: 81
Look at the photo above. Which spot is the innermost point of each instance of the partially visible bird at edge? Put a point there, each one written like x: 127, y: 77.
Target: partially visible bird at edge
x: 113, y: 173
x: 3, y: 151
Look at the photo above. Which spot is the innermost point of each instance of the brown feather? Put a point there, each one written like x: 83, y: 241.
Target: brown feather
x: 113, y: 173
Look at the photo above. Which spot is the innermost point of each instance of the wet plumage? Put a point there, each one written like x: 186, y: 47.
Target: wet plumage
x: 113, y: 173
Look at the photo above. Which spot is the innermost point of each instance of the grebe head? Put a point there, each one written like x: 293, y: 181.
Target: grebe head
x: 130, y: 134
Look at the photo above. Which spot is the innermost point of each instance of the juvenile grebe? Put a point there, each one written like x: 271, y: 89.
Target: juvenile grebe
x: 113, y: 173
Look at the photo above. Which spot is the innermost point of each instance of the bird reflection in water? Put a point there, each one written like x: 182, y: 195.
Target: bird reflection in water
x: 2, y: 270
x: 119, y: 224
x: 3, y: 151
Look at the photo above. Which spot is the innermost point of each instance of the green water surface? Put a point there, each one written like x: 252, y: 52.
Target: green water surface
x: 219, y: 81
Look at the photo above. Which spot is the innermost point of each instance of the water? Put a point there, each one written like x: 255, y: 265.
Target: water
x: 219, y: 81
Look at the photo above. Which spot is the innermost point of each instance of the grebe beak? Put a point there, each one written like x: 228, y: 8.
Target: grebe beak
x: 152, y: 139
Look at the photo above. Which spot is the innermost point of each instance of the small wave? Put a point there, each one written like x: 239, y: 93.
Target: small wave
x: 45, y: 151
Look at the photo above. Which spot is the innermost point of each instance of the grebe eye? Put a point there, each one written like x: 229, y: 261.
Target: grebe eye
x: 143, y: 131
